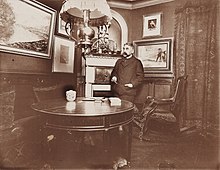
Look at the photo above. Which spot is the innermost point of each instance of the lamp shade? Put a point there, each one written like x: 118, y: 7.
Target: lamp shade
x: 83, y: 14
x: 100, y: 12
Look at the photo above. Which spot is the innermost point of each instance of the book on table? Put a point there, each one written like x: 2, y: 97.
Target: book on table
x: 115, y: 101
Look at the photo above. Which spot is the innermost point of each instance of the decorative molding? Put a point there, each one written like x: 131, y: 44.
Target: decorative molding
x: 122, y: 5
x: 149, y: 3
x: 136, y: 5
x: 123, y: 25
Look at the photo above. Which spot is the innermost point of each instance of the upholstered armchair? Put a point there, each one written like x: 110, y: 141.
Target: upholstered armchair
x: 162, y: 111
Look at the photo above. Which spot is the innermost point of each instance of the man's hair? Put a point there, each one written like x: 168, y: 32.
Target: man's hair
x: 129, y: 44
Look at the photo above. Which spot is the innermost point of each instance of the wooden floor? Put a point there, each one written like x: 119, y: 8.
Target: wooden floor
x: 187, y: 151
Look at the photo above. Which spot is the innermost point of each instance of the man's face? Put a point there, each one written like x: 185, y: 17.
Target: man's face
x: 127, y: 50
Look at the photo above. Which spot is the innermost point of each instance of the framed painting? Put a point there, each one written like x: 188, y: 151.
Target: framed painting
x: 103, y: 75
x: 61, y: 26
x: 62, y: 30
x: 27, y: 28
x: 152, y: 25
x: 156, y: 55
x: 63, y: 55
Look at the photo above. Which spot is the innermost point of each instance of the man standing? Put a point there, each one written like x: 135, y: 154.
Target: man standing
x: 159, y: 55
x: 127, y: 74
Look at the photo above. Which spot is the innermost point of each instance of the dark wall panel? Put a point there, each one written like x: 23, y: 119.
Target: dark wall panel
x: 21, y: 64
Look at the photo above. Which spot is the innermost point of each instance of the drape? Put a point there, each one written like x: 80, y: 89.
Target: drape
x: 195, y: 55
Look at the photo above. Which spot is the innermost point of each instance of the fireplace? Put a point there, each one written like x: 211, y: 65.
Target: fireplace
x: 98, y: 72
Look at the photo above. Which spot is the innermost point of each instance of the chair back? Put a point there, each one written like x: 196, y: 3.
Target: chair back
x: 7, y: 100
x: 179, y: 92
x: 49, y: 92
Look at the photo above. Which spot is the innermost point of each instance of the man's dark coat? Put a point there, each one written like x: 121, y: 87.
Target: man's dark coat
x: 127, y: 71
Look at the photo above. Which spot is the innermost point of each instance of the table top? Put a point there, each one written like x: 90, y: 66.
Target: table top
x: 81, y: 107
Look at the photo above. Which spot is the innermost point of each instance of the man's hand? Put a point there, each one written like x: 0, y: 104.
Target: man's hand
x: 114, y: 79
x: 129, y: 85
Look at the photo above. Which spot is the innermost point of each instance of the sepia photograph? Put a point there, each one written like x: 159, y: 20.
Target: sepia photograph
x: 109, y: 84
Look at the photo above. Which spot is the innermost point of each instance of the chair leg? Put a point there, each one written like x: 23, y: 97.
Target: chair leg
x: 145, y: 120
x: 141, y: 133
x: 141, y: 124
x: 143, y: 127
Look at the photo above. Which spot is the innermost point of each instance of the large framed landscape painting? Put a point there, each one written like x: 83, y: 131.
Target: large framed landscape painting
x: 156, y: 55
x: 27, y: 28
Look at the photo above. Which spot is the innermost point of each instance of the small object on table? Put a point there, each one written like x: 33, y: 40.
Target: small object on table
x: 115, y: 101
x: 70, y: 95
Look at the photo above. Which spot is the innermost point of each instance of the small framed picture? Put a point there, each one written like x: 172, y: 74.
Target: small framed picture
x: 152, y: 25
x: 63, y: 52
x: 61, y: 26
x: 64, y: 28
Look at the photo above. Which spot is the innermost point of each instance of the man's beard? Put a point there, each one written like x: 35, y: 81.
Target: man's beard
x: 124, y: 54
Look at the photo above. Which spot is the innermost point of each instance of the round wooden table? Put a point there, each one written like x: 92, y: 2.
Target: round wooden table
x: 87, y: 115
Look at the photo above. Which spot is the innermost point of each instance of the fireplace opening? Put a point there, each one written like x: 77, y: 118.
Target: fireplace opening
x: 103, y: 94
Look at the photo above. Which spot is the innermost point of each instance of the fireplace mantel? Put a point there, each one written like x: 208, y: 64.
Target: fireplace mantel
x: 98, y: 70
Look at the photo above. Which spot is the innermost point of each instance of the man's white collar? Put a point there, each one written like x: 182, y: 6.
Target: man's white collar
x: 129, y: 56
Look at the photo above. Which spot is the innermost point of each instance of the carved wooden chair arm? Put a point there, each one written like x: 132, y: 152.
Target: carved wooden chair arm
x: 148, y: 110
x: 152, y: 103
x: 165, y: 101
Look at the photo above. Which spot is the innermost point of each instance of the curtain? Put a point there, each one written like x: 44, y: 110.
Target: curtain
x: 195, y: 56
